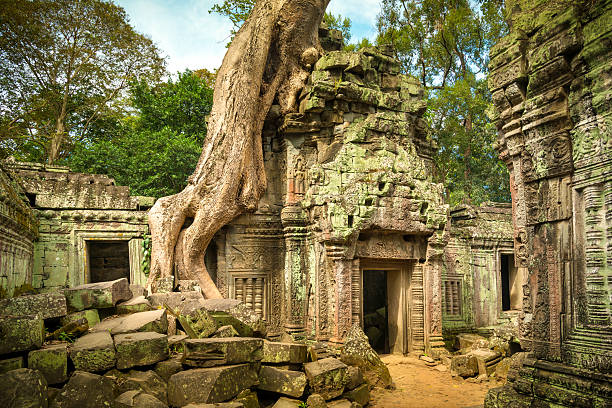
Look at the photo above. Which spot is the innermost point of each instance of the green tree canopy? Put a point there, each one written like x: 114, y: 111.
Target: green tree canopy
x: 63, y: 66
x: 445, y: 44
x: 156, y: 148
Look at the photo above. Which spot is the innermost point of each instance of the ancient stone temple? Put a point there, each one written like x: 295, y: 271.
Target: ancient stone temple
x: 351, y: 220
x: 551, y: 81
x: 87, y: 228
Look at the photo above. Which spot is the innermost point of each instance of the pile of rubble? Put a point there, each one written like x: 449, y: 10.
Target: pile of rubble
x: 480, y: 359
x: 168, y: 349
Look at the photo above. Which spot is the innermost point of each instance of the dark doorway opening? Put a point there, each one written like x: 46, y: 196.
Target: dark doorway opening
x: 375, y: 309
x: 108, y: 260
x: 509, y: 286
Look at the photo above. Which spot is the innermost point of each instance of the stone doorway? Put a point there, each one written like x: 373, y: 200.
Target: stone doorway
x: 386, y: 305
x: 108, y: 260
x: 511, y: 291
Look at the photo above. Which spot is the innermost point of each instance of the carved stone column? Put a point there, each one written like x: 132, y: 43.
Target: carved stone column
x: 341, y: 273
x: 296, y: 266
x: 432, y: 289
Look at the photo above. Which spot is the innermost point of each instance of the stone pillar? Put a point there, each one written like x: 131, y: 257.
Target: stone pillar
x: 341, y: 276
x: 432, y: 288
x: 295, y: 234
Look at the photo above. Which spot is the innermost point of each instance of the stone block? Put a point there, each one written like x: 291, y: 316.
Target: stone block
x: 139, y: 349
x: 357, y: 351
x: 134, y: 305
x: 222, y: 351
x: 287, y: 382
x: 91, y: 315
x: 248, y: 398
x: 138, y: 290
x: 283, y: 353
x: 154, y: 320
x: 206, y: 385
x: 233, y: 312
x: 184, y: 303
x: 327, y: 377
x: 85, y: 390
x: 231, y: 404
x: 464, y: 365
x: 316, y: 401
x: 465, y: 340
x: 51, y: 361
x: 341, y: 403
x: 93, y: 352
x: 360, y: 395
x: 138, y: 399
x: 46, y: 305
x: 145, y: 381
x: 166, y: 369
x: 284, y: 402
x: 20, y: 333
x: 97, y: 295
x: 13, y: 363
x: 354, y: 378
x: 487, y: 360
x: 23, y: 388
x: 200, y: 324
x: 226, y: 331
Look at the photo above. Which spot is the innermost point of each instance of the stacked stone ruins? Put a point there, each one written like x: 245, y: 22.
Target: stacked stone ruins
x: 551, y: 80
x: 351, y: 251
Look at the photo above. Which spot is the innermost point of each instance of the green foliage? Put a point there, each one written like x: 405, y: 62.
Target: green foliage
x: 236, y: 10
x: 156, y: 149
x: 63, y: 336
x: 446, y: 46
x: 63, y: 67
x: 339, y: 23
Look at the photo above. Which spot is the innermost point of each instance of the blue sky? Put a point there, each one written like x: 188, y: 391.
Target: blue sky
x: 190, y: 37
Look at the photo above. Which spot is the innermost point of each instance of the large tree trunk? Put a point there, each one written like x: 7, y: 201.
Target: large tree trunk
x: 267, y: 60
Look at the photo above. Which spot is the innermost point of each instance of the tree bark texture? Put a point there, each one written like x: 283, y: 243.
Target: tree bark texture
x: 266, y: 62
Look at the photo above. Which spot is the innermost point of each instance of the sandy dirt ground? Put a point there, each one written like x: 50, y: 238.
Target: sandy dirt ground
x: 421, y: 386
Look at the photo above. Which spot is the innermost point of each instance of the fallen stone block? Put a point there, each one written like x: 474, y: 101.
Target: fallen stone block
x: 287, y: 382
x: 327, y: 377
x: 248, y: 398
x: 11, y: 364
x: 147, y: 382
x: 199, y: 324
x: 134, y: 305
x: 206, y: 385
x: 20, y: 333
x: 465, y: 340
x: 85, y: 390
x: 221, y: 351
x: 139, y: 349
x: 341, y: 403
x: 23, y: 388
x: 138, y: 399
x: 154, y: 320
x: 51, y: 361
x: 166, y: 369
x: 46, y: 305
x: 360, y: 395
x: 233, y: 312
x: 464, y: 365
x: 183, y: 303
x: 91, y: 315
x: 97, y: 295
x: 354, y: 378
x: 138, y: 290
x: 93, y: 352
x: 279, y: 353
x: 70, y: 330
x: 284, y: 402
x: 487, y: 360
x: 231, y: 404
x: 225, y: 331
x: 316, y: 401
x: 357, y: 351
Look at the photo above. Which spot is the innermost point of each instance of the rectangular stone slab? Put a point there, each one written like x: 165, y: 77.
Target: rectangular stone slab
x: 222, y: 351
x: 51, y: 361
x: 134, y: 305
x: 20, y: 333
x: 11, y: 364
x: 46, y: 305
x: 139, y: 349
x: 279, y: 353
x: 327, y: 377
x: 93, y: 352
x: 90, y: 315
x: 99, y: 295
x: 207, y: 385
x: 154, y: 320
x: 286, y: 382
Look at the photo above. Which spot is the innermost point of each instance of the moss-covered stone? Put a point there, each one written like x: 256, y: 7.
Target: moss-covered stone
x: 20, y: 333
x: 9, y: 364
x: 91, y: 315
x: 327, y: 377
x: 222, y: 351
x: 98, y: 295
x: 140, y: 349
x: 286, y: 382
x: 51, y: 361
x: 47, y: 305
x: 93, y: 352
x: 280, y: 353
x: 357, y: 351
x: 23, y: 388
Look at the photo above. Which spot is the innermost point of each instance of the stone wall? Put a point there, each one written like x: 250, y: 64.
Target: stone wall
x: 472, y: 277
x: 18, y: 229
x: 551, y: 80
x: 73, y: 210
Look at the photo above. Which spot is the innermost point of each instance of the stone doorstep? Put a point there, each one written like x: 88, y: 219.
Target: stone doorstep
x: 221, y: 351
x: 140, y: 349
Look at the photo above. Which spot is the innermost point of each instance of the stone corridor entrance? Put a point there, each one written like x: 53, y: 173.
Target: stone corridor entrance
x: 387, y: 305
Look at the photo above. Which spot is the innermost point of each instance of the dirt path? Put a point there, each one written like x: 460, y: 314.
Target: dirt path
x: 420, y: 386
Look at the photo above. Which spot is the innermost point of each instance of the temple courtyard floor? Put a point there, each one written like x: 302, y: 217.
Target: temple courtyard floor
x: 421, y: 386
